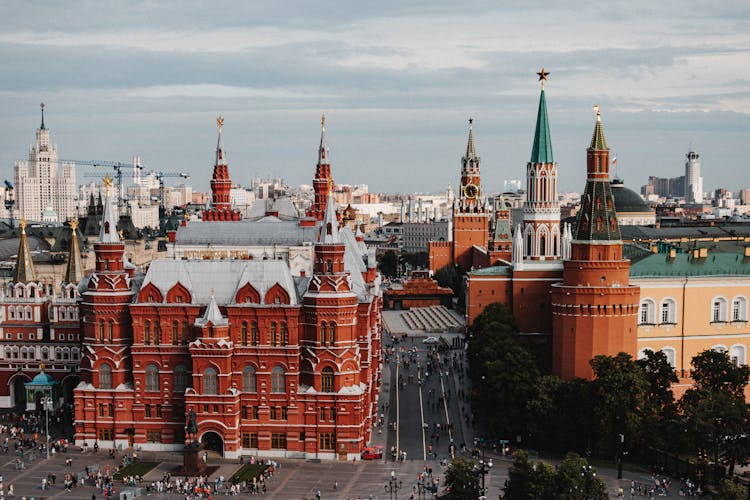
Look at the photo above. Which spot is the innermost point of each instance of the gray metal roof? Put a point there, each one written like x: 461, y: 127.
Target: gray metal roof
x: 284, y: 206
x: 267, y: 231
x: 224, y: 277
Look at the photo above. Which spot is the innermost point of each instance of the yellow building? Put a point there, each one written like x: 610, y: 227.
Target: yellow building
x: 691, y: 302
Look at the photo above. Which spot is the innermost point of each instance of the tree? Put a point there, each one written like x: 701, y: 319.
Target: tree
x: 503, y: 373
x: 389, y: 264
x: 572, y: 479
x: 620, y: 387
x: 660, y: 411
x: 728, y: 490
x: 714, y: 409
x: 461, y: 481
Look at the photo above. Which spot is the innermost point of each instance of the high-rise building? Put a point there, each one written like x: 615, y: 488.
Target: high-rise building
x: 40, y: 185
x: 693, y: 179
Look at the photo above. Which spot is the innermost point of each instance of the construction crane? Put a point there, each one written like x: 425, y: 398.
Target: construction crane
x: 118, y: 167
x: 160, y: 177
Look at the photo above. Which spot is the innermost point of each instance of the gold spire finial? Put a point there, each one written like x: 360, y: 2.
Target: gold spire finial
x: 22, y: 225
x: 41, y: 366
x: 598, y: 113
x: 471, y: 121
x: 220, y: 122
x: 107, y: 184
x: 212, y: 291
x: 73, y: 223
x: 119, y: 233
x: 543, y: 76
x: 330, y: 186
x: 323, y: 122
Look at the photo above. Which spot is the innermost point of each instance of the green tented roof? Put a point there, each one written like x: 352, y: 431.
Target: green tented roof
x: 715, y: 264
x: 598, y: 142
x: 542, y: 150
x: 492, y: 271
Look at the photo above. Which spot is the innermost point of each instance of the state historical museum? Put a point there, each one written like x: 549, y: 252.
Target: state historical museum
x: 268, y: 328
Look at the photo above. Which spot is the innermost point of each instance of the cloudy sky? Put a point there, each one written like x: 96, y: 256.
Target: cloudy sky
x: 397, y: 80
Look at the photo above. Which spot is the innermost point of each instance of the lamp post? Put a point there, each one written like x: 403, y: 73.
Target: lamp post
x: 483, y: 468
x: 394, y: 484
x: 47, y: 402
x: 620, y: 442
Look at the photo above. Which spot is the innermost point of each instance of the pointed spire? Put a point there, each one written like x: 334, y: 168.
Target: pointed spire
x: 471, y: 150
x: 542, y: 149
x: 41, y: 105
x: 323, y: 149
x: 330, y: 228
x: 213, y: 314
x: 518, y: 247
x: 24, y: 265
x: 221, y: 158
x: 598, y: 141
x: 74, y: 270
x: 108, y: 231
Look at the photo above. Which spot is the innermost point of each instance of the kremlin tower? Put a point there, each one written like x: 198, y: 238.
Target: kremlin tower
x: 594, y: 308
x: 470, y: 211
x: 323, y: 182
x: 221, y: 185
x: 541, y: 210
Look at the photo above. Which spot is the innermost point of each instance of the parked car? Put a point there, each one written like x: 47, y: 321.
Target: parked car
x: 372, y: 453
x: 431, y: 340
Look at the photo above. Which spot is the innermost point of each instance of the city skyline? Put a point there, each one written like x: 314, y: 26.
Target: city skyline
x: 397, y: 83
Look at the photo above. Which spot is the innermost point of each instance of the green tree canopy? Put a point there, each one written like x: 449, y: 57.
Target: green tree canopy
x: 572, y: 479
x: 713, y: 370
x: 461, y: 481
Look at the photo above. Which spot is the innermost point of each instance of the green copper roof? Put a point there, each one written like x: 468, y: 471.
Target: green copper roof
x: 24, y: 271
x: 598, y: 142
x: 542, y: 151
x: 715, y: 264
x: 74, y: 270
x: 597, y: 219
x: 492, y: 271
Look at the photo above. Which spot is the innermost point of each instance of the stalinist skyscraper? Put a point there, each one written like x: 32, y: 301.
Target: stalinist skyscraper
x: 40, y: 187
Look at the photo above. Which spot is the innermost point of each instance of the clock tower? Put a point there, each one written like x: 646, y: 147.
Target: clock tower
x: 470, y: 211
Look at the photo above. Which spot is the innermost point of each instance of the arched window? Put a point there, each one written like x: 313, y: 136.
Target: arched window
x: 105, y: 376
x: 332, y: 334
x: 646, y: 316
x: 180, y: 378
x: 738, y: 354
x: 543, y: 245
x: 254, y: 333
x: 210, y: 381
x: 323, y: 334
x: 278, y: 382
x: 157, y: 333
x: 110, y: 330
x: 719, y: 310
x: 248, y: 379
x: 185, y: 332
x: 243, y: 333
x: 326, y: 379
x: 739, y: 309
x: 274, y: 340
x: 528, y: 244
x: 175, y: 332
x: 668, y: 312
x: 284, y: 334
x: 101, y: 331
x: 671, y: 355
x: 147, y: 332
x: 152, y: 378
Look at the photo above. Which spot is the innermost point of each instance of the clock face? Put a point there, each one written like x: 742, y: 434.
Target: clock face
x: 471, y: 191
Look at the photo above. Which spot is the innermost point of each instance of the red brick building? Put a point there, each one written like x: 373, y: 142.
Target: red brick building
x: 39, y: 329
x: 277, y: 356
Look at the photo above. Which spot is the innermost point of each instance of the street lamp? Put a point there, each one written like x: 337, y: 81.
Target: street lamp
x: 483, y: 468
x: 47, y: 402
x: 394, y: 484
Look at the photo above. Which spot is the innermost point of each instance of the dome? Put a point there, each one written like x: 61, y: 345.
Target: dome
x: 42, y: 379
x: 627, y: 200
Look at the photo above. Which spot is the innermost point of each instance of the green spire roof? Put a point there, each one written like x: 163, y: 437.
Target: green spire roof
x: 74, y: 270
x: 24, y: 265
x: 542, y: 151
x: 598, y: 142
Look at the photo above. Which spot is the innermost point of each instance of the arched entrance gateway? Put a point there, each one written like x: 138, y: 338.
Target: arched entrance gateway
x: 68, y: 384
x: 212, y: 441
x: 18, y: 388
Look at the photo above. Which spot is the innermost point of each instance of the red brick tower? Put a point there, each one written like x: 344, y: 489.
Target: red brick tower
x: 470, y: 213
x: 103, y: 401
x: 221, y: 185
x: 594, y: 308
x: 330, y: 360
x: 541, y: 210
x: 323, y: 182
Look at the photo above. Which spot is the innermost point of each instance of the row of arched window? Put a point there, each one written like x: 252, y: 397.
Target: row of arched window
x: 20, y: 312
x: 179, y: 333
x: 278, y: 334
x: 29, y: 352
x: 328, y: 334
x: 667, y: 311
x: 737, y: 353
x: 68, y: 313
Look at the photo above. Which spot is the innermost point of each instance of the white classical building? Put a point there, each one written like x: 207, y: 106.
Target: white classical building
x: 40, y: 185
